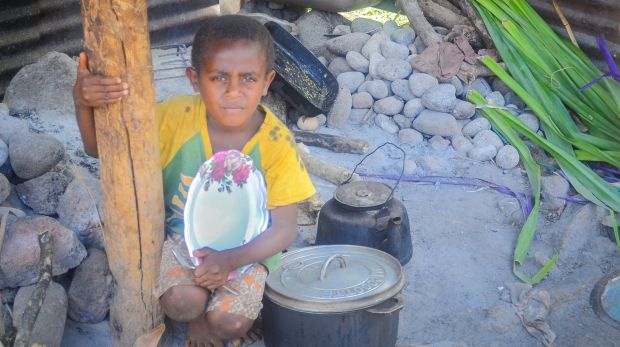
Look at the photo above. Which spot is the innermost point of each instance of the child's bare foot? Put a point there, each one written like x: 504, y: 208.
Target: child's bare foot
x: 198, y: 334
x: 253, y: 335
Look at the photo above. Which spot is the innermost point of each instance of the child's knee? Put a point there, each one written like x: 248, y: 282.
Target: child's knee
x: 184, y: 303
x: 228, y: 325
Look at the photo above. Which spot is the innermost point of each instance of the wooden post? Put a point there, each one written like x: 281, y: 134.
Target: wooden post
x: 116, y: 39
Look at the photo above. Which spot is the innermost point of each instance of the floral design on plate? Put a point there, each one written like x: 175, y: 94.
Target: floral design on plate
x: 226, y: 168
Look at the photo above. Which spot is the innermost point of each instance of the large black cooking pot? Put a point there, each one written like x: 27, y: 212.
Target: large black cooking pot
x: 366, y: 214
x: 333, y: 296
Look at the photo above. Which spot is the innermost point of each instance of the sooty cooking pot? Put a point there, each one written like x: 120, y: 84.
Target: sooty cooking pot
x: 366, y: 214
x: 338, y: 295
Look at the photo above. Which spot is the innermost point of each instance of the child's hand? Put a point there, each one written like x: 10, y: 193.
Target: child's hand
x: 213, y: 270
x: 94, y: 90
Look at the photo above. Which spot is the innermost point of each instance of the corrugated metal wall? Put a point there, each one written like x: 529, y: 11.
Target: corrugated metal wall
x: 29, y: 29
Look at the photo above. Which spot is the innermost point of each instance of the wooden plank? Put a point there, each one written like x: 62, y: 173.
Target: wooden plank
x: 116, y: 40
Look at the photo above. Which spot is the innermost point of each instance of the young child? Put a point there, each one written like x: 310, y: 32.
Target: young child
x: 232, y: 60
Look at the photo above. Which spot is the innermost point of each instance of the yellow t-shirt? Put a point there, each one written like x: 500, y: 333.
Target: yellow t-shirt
x: 185, y: 145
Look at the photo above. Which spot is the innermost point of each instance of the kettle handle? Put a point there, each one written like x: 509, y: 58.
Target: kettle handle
x: 402, y: 170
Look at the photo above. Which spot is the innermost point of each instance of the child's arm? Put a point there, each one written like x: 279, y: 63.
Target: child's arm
x: 93, y: 91
x: 213, y: 272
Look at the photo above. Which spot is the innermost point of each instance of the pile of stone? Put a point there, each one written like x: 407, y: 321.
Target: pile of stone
x: 377, y: 83
x: 41, y: 191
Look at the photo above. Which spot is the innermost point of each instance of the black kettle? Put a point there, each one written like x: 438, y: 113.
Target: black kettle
x: 365, y: 213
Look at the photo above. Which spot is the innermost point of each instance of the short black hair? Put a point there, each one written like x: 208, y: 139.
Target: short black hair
x: 231, y: 28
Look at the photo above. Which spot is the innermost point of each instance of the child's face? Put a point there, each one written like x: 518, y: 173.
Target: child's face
x: 231, y: 82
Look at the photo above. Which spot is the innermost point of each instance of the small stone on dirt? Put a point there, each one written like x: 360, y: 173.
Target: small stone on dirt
x: 376, y: 88
x: 482, y: 86
x: 374, y: 44
x: 338, y: 65
x: 463, y: 109
x: 553, y: 189
x: 413, y: 108
x: 42, y: 193
x: 386, y: 123
x: 90, y: 289
x: 488, y: 137
x: 507, y: 157
x: 357, y: 61
x: 420, y: 82
x: 401, y: 88
x: 475, y: 126
x: 393, y: 69
x: 530, y: 120
x: 34, y: 154
x: 365, y: 25
x: 403, y: 36
x: 343, y: 44
x: 394, y: 50
x: 461, y: 144
x: 402, y: 121
x: 389, y: 106
x: 341, y: 30
x: 362, y: 100
x: 440, y: 98
x: 438, y: 143
x: 350, y: 80
x: 435, y: 123
x: 78, y: 207
x: 496, y: 98
x: 483, y: 153
x: 410, y: 137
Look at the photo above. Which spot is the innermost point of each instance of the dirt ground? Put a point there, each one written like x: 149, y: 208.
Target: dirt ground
x: 460, y: 278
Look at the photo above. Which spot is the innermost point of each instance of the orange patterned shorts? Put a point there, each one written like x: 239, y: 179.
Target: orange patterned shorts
x: 250, y: 285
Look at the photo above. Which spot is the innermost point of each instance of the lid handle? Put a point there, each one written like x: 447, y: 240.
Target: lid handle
x: 338, y: 257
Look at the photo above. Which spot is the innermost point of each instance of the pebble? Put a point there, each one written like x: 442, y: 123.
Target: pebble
x: 499, y: 86
x: 413, y: 108
x: 374, y: 44
x: 389, y: 106
x: 350, y: 42
x: 307, y: 123
x: 394, y: 50
x: 402, y: 121
x: 530, y: 120
x: 76, y: 208
x: 507, y: 157
x: 440, y: 98
x: 461, y: 144
x: 403, y: 36
x: 373, y: 63
x: 5, y: 188
x: 463, y: 109
x: 338, y: 65
x: 512, y: 108
x: 34, y: 154
x: 496, y: 98
x: 350, y: 80
x: 393, y: 69
x: 90, y: 289
x: 438, y: 143
x: 512, y: 98
x: 386, y: 123
x: 390, y: 26
x: 322, y: 119
x: 376, y: 88
x: 475, y: 126
x: 488, y: 137
x: 357, y: 61
x: 341, y: 109
x: 364, y: 25
x: 435, y: 123
x: 483, y: 153
x: 41, y: 193
x: 323, y: 60
x: 552, y: 188
x: 10, y: 126
x: 458, y: 86
x: 410, y: 137
x: 4, y: 152
x: 419, y: 44
x: 401, y: 88
x: 362, y: 100
x: 341, y: 30
x: 482, y: 86
x: 420, y: 82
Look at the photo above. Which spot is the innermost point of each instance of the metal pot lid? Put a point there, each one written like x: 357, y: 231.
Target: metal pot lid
x: 363, y: 194
x: 334, y: 278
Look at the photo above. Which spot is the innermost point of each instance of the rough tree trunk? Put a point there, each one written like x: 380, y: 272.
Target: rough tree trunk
x: 418, y: 21
x: 117, y: 43
x: 441, y: 16
x: 473, y: 15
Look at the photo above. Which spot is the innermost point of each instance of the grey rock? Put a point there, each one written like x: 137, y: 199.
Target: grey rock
x: 80, y: 207
x: 341, y: 30
x: 92, y: 238
x: 19, y: 260
x: 393, y: 69
x: 553, y: 189
x: 512, y: 98
x: 341, y: 109
x: 377, y: 89
x: 461, y: 144
x: 34, y: 154
x: 5, y: 188
x: 312, y: 28
x: 365, y: 25
x: 488, y: 137
x: 440, y: 98
x: 49, y: 326
x: 373, y: 45
x: 496, y: 98
x: 350, y: 80
x: 322, y: 119
x: 419, y: 83
x: 458, y: 86
x: 45, y: 86
x: 499, y: 86
x: 373, y: 63
x: 402, y: 121
x: 530, y: 120
x: 438, y: 143
x: 10, y: 126
x: 362, y: 100
x: 389, y: 27
x: 419, y: 44
x: 386, y: 123
x: 501, y: 318
x: 483, y: 153
x: 413, y: 108
x: 512, y: 108
x: 323, y: 60
x: 345, y: 43
x: 401, y: 88
x: 403, y: 36
x: 389, y: 106
x: 394, y: 50
x: 4, y: 152
x: 90, y: 289
x: 475, y: 126
x: 482, y: 86
x: 410, y: 137
x: 507, y: 157
x: 463, y: 109
x: 581, y: 227
x: 338, y: 65
x: 357, y: 61
x: 41, y: 194
x: 435, y: 123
